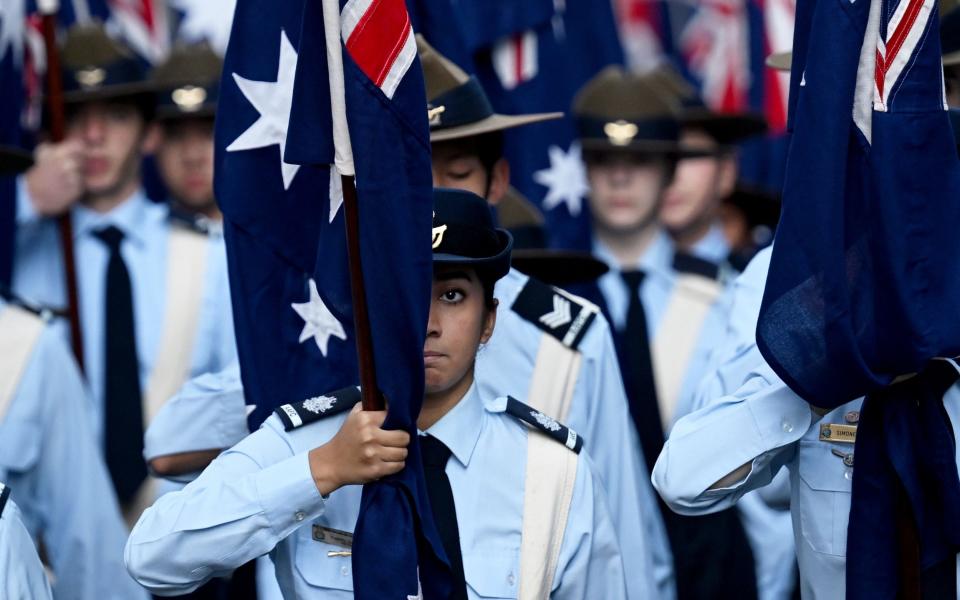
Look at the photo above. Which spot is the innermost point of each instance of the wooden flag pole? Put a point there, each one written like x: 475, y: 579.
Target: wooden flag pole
x: 55, y: 110
x: 370, y: 396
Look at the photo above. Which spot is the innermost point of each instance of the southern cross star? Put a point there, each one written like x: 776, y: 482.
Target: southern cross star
x: 565, y: 179
x: 206, y: 20
x: 273, y: 100
x: 319, y: 322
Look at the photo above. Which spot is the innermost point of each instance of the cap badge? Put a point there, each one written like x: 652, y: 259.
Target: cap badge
x: 90, y: 77
x: 438, y: 233
x: 620, y: 132
x: 433, y: 114
x: 189, y: 98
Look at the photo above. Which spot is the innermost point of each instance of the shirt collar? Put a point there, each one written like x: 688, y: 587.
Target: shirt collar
x: 128, y: 217
x: 459, y: 429
x: 657, y: 258
x: 713, y: 246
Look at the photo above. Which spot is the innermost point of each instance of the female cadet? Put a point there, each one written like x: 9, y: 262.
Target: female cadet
x: 291, y: 488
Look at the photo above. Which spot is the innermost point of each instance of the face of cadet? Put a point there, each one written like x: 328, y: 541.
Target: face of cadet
x: 459, y: 323
x: 185, y: 161
x: 457, y: 166
x: 625, y: 190
x: 698, y: 186
x: 114, y: 138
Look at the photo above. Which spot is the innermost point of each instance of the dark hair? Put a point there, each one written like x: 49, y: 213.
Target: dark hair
x: 488, y: 283
x: 487, y: 147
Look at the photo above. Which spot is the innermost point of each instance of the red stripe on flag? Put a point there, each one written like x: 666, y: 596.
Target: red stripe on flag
x: 379, y: 37
x: 880, y: 73
x: 518, y: 56
x: 903, y: 29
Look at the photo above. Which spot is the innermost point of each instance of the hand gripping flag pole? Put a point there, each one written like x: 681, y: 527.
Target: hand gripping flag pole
x: 371, y: 398
x: 48, y: 10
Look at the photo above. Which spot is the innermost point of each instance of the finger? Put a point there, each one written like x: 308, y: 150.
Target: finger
x: 394, y: 438
x: 388, y: 454
x: 389, y: 468
x: 71, y: 148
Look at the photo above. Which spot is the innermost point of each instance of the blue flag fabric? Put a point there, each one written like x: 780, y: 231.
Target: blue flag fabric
x: 11, y: 82
x: 282, y: 242
x: 863, y: 281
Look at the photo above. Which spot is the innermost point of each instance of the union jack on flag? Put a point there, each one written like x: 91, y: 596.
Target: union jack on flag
x: 378, y: 36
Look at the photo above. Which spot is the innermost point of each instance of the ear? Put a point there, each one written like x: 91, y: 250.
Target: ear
x: 499, y: 181
x: 151, y: 139
x: 727, y: 175
x: 489, y: 323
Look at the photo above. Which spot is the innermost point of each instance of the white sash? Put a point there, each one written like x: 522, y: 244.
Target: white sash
x: 19, y: 332
x: 554, y: 378
x: 677, y: 335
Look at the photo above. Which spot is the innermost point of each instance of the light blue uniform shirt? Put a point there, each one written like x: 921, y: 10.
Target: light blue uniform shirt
x: 38, y: 276
x: 766, y: 425
x: 598, y: 412
x: 712, y: 247
x: 260, y: 497
x: 21, y: 574
x: 51, y: 461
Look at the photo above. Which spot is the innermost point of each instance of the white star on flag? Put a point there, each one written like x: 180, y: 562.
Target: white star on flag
x: 208, y: 20
x: 565, y: 179
x: 11, y: 29
x: 273, y: 100
x: 319, y: 322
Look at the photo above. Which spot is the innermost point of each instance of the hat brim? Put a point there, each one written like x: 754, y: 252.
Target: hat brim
x: 651, y: 148
x: 725, y: 128
x: 14, y: 160
x: 951, y: 58
x: 120, y: 91
x: 496, y: 266
x: 494, y: 122
x: 780, y: 61
x: 559, y: 267
x: 168, y: 113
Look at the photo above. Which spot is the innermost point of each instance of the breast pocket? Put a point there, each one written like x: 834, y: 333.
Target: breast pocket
x: 824, y: 496
x: 324, y: 566
x: 19, y: 446
x: 492, y: 573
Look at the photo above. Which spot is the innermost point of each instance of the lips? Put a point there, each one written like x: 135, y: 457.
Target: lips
x: 95, y: 166
x: 430, y: 357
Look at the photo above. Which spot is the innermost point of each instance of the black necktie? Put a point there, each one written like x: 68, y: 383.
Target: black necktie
x: 435, y: 456
x: 123, y: 410
x: 637, y: 367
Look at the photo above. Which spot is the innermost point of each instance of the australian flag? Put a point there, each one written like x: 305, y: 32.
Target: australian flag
x: 12, y: 22
x: 284, y: 227
x: 864, y: 281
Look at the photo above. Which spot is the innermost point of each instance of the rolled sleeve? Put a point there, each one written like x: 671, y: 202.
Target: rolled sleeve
x: 752, y: 426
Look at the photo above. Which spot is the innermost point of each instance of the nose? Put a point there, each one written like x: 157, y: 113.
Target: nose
x: 94, y: 129
x: 433, y: 323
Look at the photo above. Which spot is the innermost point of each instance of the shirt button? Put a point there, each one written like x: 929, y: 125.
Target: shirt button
x: 848, y: 474
x: 786, y: 426
x: 511, y: 579
x: 344, y: 571
x: 299, y: 516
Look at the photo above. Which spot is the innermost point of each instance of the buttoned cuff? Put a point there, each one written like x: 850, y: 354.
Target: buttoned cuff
x: 288, y: 494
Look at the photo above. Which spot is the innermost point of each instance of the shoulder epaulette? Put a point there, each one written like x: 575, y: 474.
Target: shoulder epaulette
x: 313, y: 409
x: 4, y: 495
x: 559, y: 313
x: 45, y: 313
x: 541, y: 422
x: 191, y: 221
x: 694, y: 265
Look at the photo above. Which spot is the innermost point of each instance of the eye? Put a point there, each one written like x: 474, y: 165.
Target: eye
x: 452, y: 296
x: 460, y: 174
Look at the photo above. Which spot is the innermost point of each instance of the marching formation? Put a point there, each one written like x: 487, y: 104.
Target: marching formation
x: 279, y: 323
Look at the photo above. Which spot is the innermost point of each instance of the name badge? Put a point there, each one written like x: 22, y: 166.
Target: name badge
x: 835, y: 432
x: 344, y: 539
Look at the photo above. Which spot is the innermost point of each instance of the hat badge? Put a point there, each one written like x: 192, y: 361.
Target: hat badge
x: 438, y: 233
x: 189, y: 98
x: 433, y: 114
x: 621, y: 132
x: 90, y: 77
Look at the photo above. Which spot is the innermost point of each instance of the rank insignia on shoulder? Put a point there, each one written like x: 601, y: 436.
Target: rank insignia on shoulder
x: 4, y: 495
x: 559, y: 313
x: 313, y: 409
x: 545, y: 424
x: 694, y: 265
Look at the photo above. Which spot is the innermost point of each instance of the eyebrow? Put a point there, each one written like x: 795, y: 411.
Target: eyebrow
x: 450, y: 275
